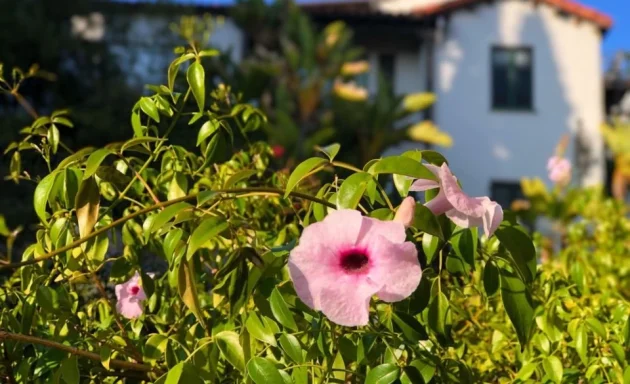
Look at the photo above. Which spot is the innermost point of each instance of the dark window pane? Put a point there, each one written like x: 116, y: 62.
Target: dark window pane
x: 505, y: 193
x: 386, y: 65
x: 512, y: 78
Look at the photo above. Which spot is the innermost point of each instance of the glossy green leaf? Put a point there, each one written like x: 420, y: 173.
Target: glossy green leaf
x: 291, y: 347
x: 464, y: 242
x: 330, y: 151
x: 281, y: 311
x: 518, y: 305
x: 139, y: 141
x: 619, y: 353
x: 520, y: 246
x: 70, y: 370
x: 205, y: 231
x: 231, y: 349
x: 238, y: 177
x: 440, y: 315
x: 42, y: 193
x: 491, y: 278
x: 87, y: 204
x: 411, y: 328
x: 581, y: 344
x: 383, y: 374
x: 187, y: 288
x: 526, y: 371
x: 165, y: 216
x: 106, y: 356
x: 259, y: 330
x: 302, y: 171
x: 207, y: 129
x: 136, y: 124
x: 263, y: 371
x: 596, y: 326
x: 553, y: 368
x: 53, y: 137
x: 148, y: 107
x: 155, y: 347
x: 402, y: 165
x: 352, y: 190
x: 430, y: 246
x: 196, y: 77
x: 425, y: 220
x: 94, y: 161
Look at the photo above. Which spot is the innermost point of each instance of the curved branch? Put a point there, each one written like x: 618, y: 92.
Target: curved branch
x: 120, y: 364
x: 163, y: 204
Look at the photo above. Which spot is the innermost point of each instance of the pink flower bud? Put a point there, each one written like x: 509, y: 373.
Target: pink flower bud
x: 405, y: 212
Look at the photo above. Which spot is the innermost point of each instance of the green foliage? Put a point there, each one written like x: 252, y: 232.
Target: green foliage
x: 216, y: 224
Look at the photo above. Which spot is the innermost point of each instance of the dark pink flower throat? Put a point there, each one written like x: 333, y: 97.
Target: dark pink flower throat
x: 354, y: 260
x: 135, y: 289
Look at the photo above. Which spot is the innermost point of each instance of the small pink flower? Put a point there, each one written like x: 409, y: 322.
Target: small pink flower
x: 463, y: 210
x: 405, y: 212
x: 559, y: 170
x: 342, y: 261
x: 130, y: 296
x: 278, y: 151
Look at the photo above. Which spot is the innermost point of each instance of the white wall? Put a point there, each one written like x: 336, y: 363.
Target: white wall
x: 505, y: 146
x: 403, y: 6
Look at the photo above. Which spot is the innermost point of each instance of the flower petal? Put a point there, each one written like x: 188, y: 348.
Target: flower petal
x: 394, y: 231
x: 312, y: 267
x: 339, y: 229
x: 492, y: 218
x: 121, y: 291
x: 439, y: 204
x: 129, y: 308
x: 396, y: 266
x: 405, y: 212
x: 454, y: 194
x: 462, y: 220
x: 423, y: 185
x: 347, y: 301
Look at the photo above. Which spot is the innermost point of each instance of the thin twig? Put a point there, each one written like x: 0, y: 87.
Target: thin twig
x: 120, y: 364
x: 25, y: 104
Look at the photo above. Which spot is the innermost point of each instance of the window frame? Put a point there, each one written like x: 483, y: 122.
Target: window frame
x: 512, y: 49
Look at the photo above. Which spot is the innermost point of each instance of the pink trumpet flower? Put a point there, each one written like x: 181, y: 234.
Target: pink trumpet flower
x: 461, y: 209
x: 559, y: 170
x: 130, y: 295
x: 342, y: 261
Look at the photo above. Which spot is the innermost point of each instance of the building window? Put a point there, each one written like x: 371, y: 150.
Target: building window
x: 512, y: 78
x: 386, y: 66
x: 505, y: 192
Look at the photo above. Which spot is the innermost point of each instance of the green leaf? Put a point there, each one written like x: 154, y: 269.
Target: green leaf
x: 42, y: 193
x: 425, y: 220
x: 174, y: 375
x: 281, y: 311
x: 553, y: 368
x: 155, y: 347
x: 433, y: 157
x: 352, y: 190
x: 415, y: 102
x: 53, y: 137
x: 411, y: 328
x: 136, y: 124
x: 231, y: 349
x: 87, y: 204
x: 70, y: 370
x: 94, y: 161
x: 402, y: 165
x: 196, y: 77
x: 420, y: 371
x: 491, y: 278
x: 518, y: 305
x: 626, y: 375
x: 302, y: 171
x: 207, y: 129
x: 430, y: 246
x: 106, y: 356
x: 330, y: 150
x: 618, y: 352
x: 173, y: 68
x: 165, y: 216
x: 520, y: 245
x: 187, y: 288
x: 259, y: 330
x: 526, y: 371
x: 383, y: 374
x: 291, y: 347
x: 402, y: 182
x: 626, y: 333
x: 238, y: 177
x: 581, y: 344
x: 263, y: 371
x: 205, y: 231
x: 596, y: 326
x: 148, y: 106
x: 439, y: 317
x: 139, y: 141
x: 464, y: 242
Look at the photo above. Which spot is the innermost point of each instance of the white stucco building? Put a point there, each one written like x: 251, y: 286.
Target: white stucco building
x: 511, y: 77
